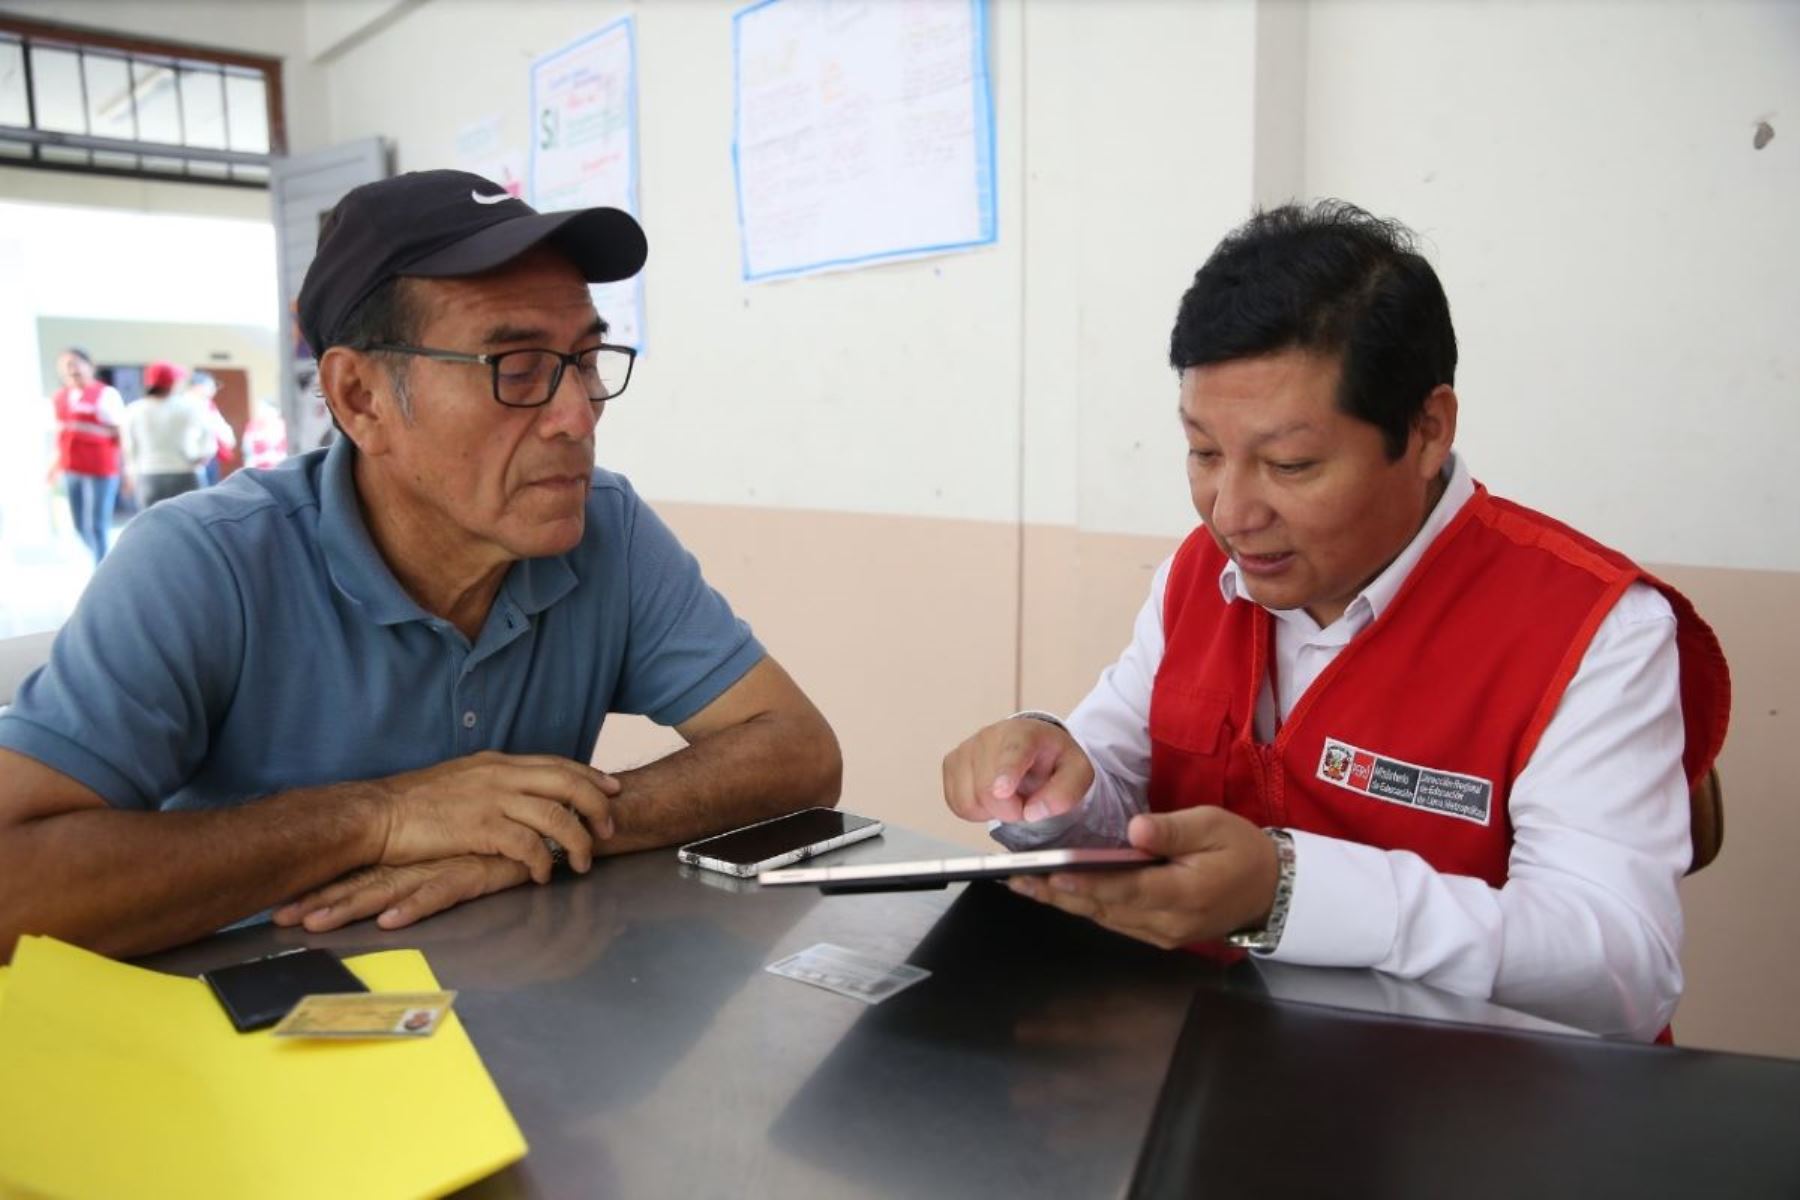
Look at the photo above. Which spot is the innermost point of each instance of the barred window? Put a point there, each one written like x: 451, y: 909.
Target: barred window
x: 74, y: 99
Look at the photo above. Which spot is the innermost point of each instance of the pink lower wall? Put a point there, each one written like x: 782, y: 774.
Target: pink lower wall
x: 912, y: 632
x: 1743, y: 952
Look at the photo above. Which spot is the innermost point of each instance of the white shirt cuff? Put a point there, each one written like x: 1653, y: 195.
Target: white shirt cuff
x: 1345, y: 911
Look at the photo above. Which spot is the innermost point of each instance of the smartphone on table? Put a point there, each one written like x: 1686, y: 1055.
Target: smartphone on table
x: 776, y: 843
x: 258, y: 993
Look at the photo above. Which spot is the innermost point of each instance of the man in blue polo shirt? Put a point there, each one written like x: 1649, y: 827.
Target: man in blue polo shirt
x: 367, y: 683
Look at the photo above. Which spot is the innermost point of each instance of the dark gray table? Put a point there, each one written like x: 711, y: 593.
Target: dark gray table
x: 628, y: 1022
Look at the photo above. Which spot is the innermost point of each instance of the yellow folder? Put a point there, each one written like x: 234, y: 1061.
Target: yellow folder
x: 118, y: 1081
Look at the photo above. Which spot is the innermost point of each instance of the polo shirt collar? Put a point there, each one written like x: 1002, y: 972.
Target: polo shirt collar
x: 1381, y: 591
x: 359, y: 571
x: 536, y: 583
x: 356, y: 566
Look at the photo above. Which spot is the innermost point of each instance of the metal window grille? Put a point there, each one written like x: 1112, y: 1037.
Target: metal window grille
x: 83, y: 100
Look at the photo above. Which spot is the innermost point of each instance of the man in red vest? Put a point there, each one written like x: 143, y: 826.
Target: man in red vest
x: 88, y: 415
x: 1372, y: 715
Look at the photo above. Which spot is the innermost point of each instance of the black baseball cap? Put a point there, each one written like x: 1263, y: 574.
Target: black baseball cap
x: 443, y: 225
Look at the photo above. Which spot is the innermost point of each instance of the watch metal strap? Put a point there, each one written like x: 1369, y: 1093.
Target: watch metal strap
x: 1269, y: 936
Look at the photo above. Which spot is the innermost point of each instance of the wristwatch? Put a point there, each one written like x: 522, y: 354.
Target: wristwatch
x: 1268, y: 937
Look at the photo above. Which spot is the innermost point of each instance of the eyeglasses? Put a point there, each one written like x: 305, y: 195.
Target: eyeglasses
x: 529, y: 378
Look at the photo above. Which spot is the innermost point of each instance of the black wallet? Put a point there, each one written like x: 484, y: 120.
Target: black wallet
x: 258, y: 993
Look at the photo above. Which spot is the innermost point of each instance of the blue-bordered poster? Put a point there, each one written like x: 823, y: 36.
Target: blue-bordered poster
x: 864, y: 132
x: 584, y: 147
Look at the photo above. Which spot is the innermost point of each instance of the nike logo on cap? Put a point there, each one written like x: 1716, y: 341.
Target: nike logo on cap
x: 478, y: 198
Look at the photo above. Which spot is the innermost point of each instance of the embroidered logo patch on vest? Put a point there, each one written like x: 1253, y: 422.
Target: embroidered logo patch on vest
x: 1467, y: 797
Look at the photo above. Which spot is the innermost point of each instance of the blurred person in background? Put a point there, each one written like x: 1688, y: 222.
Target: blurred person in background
x: 167, y: 440
x: 202, y: 392
x: 88, y: 416
x: 264, y: 443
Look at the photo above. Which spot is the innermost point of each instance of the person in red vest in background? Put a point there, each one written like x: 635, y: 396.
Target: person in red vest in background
x: 264, y: 443
x: 88, y: 416
x: 1371, y: 715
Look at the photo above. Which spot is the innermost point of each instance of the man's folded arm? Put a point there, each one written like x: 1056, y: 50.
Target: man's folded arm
x: 124, y: 882
x: 117, y: 720
x: 128, y: 882
x: 760, y: 749
x: 757, y: 747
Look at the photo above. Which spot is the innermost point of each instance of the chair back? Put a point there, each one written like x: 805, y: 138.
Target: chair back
x: 1706, y: 819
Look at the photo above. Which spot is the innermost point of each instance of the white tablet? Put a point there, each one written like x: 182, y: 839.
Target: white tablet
x: 936, y: 872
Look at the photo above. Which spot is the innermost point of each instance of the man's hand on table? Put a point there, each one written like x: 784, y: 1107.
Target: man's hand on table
x: 396, y: 896
x: 1220, y: 878
x: 544, y: 935
x: 1019, y: 769
x: 495, y: 804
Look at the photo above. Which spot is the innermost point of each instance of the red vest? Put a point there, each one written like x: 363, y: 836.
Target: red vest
x: 1411, y: 738
x: 87, y: 445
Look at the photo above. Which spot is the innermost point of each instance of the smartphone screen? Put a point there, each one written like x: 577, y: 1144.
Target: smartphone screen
x: 772, y: 839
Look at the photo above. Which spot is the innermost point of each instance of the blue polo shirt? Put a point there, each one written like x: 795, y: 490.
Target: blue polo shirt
x: 249, y: 639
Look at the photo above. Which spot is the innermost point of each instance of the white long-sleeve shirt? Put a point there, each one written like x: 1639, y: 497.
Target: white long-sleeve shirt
x: 1587, y: 929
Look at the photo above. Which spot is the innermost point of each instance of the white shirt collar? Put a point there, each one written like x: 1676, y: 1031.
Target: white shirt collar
x: 1372, y: 600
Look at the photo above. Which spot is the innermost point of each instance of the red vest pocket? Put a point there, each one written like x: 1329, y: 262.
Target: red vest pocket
x: 1188, y: 720
x: 1189, y: 744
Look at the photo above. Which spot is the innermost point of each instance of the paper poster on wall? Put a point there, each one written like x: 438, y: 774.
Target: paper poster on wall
x: 864, y: 132
x: 481, y: 149
x: 584, y: 147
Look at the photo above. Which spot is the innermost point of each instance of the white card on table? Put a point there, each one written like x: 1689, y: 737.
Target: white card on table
x: 848, y: 973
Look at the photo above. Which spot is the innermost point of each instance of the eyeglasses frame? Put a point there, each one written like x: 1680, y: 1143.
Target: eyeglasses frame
x: 492, y: 362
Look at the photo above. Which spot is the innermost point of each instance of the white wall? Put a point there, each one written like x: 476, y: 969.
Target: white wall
x: 1619, y: 259
x: 888, y: 390
x: 331, y: 26
x: 1139, y: 125
x: 1614, y: 249
x: 1622, y: 264
x: 1125, y: 147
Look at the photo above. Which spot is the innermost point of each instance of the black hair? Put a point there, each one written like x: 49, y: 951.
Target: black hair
x: 390, y: 313
x: 1335, y: 280
x: 78, y: 352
